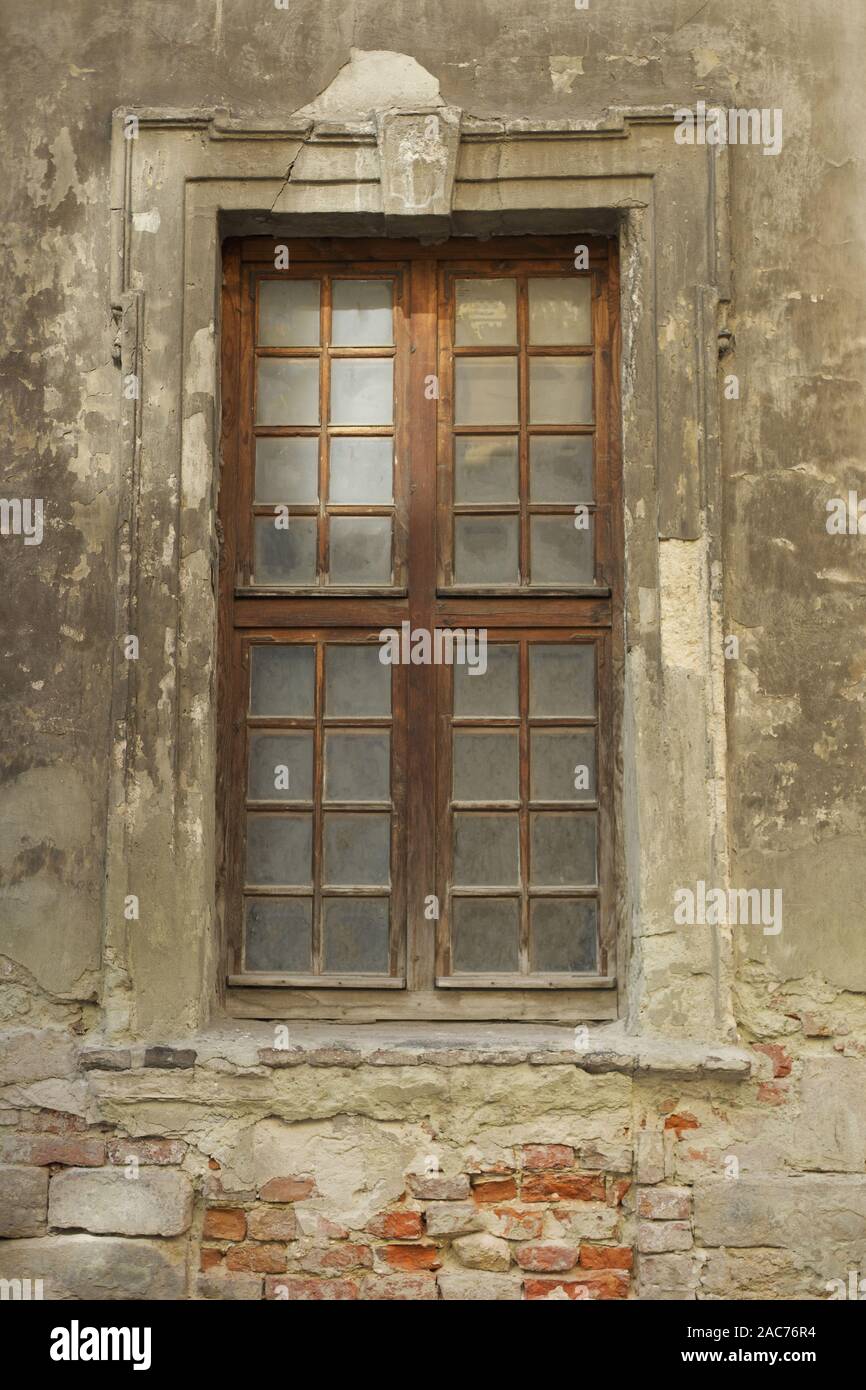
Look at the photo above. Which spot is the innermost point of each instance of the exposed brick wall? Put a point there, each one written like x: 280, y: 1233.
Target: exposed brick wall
x: 533, y: 1179
x: 471, y: 1233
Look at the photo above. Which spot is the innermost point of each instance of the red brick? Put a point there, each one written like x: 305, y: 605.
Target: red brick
x: 561, y: 1187
x: 224, y: 1223
x: 329, y: 1230
x: 606, y: 1284
x: 321, y: 1259
x: 41, y: 1149
x: 287, y: 1189
x: 542, y: 1288
x: 76, y: 1153
x: 396, y: 1225
x: 494, y: 1190
x: 815, y: 1026
x: 53, y: 1122
x: 779, y: 1057
x: 679, y: 1122
x: 294, y: 1289
x: 412, y: 1257
x: 519, y: 1225
x: 546, y: 1258
x: 603, y: 1285
x: 412, y: 1288
x: 146, y: 1150
x: 272, y: 1224
x: 771, y: 1094
x: 541, y: 1157
x: 606, y: 1257
x: 617, y: 1190
x: 210, y: 1257
x: 257, y: 1259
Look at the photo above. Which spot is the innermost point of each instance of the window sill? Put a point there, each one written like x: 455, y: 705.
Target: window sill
x: 246, y: 1047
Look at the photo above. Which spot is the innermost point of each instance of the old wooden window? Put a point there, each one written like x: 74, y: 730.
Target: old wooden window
x: 419, y: 458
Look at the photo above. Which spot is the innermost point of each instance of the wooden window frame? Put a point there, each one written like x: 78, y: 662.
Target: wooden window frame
x: 419, y: 987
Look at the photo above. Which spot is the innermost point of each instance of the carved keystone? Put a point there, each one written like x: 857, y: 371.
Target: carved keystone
x: 418, y: 157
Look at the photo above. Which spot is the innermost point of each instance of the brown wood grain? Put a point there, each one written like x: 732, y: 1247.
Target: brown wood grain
x: 420, y: 981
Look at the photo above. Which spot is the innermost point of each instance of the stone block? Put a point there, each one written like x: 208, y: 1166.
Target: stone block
x: 436, y: 1187
x: 668, y: 1276
x: 810, y: 1214
x: 402, y: 1288
x: 169, y: 1058
x: 98, y: 1267
x: 832, y: 1133
x: 23, y: 1201
x: 588, y: 1220
x: 158, y: 1202
x: 476, y: 1285
x: 453, y: 1218
x: 29, y: 1056
x: 657, y: 1237
x: 664, y: 1203
x: 483, y: 1252
x: 230, y: 1286
x: 105, y: 1059
x: 649, y: 1158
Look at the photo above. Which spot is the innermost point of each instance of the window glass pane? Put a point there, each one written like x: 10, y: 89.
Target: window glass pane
x: 485, y: 469
x: 356, y: 681
x: 287, y: 470
x: 484, y: 934
x: 562, y: 848
x: 485, y: 391
x: 280, y: 767
x: 282, y: 680
x: 559, y: 310
x: 285, y: 554
x: 355, y: 936
x: 360, y: 550
x: 361, y: 313
x: 485, y: 765
x: 287, y: 391
x: 563, y: 935
x: 486, y: 313
x: 279, y: 934
x: 289, y: 313
x: 357, y: 765
x: 361, y: 470
x: 357, y: 850
x: 362, y: 391
x: 279, y: 850
x: 486, y: 550
x: 493, y: 694
x: 559, y: 759
x: 560, y: 468
x: 560, y: 390
x: 562, y: 553
x: 485, y: 850
x: 562, y: 680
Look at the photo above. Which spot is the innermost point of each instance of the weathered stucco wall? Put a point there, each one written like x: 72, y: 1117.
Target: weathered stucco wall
x: 789, y: 1214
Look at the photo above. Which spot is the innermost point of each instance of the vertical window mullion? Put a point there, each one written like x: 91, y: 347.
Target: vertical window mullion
x: 523, y: 425
x: 523, y: 766
x: 323, y: 537
x: 318, y: 794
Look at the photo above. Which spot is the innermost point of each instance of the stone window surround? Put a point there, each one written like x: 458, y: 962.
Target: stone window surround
x: 189, y: 178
